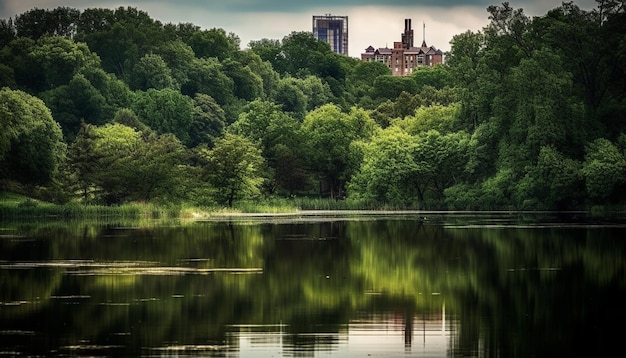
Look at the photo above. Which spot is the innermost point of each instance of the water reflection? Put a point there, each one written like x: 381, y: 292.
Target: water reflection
x: 394, y: 286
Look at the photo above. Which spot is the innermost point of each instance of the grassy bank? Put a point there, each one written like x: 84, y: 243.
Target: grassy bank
x: 18, y: 207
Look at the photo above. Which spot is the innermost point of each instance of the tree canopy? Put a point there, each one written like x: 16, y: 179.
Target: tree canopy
x: 526, y: 113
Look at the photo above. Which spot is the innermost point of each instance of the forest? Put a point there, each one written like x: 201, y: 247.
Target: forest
x: 110, y: 106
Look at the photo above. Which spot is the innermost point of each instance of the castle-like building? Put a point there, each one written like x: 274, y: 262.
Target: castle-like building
x: 403, y: 57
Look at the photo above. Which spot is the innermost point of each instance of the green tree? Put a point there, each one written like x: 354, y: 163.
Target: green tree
x: 31, y: 145
x: 127, y: 117
x: 291, y: 97
x: 388, y: 172
x: 7, y: 32
x: 390, y: 87
x: 365, y: 73
x: 277, y: 133
x: 60, y: 59
x: 233, y: 168
x: 211, y: 43
x: 444, y: 119
x: 206, y: 76
x: 555, y: 181
x: 263, y: 69
x: 151, y: 71
x: 435, y: 76
x: 116, y: 163
x: 604, y: 170
x: 178, y: 56
x: 317, y: 92
x: 247, y: 84
x: 270, y: 51
x: 360, y: 81
x: 120, y: 37
x: 208, y: 121
x: 441, y: 159
x: 77, y: 101
x: 38, y: 23
x: 329, y: 134
x: 165, y: 111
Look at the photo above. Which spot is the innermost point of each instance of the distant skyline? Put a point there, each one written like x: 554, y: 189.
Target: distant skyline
x: 371, y: 22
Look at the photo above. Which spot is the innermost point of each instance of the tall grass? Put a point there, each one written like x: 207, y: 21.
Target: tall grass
x: 17, y: 208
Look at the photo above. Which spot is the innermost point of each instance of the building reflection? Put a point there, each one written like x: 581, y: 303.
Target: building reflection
x: 377, y: 333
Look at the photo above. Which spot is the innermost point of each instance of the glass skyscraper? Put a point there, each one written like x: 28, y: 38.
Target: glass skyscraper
x: 334, y: 30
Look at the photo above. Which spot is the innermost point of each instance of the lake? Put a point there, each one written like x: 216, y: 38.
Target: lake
x: 342, y: 285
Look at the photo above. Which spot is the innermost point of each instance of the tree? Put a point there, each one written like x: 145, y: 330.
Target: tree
x: 555, y: 181
x: 316, y: 91
x: 31, y: 145
x: 441, y: 159
x: 291, y: 98
x: 435, y: 76
x: 165, y: 111
x: 444, y: 119
x: 7, y: 32
x: 390, y: 87
x: 261, y: 68
x: 388, y: 172
x: 329, y: 133
x: 248, y: 85
x: 151, y: 72
x: 37, y: 23
x: 233, y: 168
x: 207, y: 76
x: 127, y: 117
x: 120, y: 37
x: 364, y: 73
x: 211, y: 43
x: 119, y: 164
x: 279, y: 138
x: 604, y: 170
x: 208, y: 121
x: 178, y: 56
x: 77, y: 101
x: 60, y: 59
x: 270, y: 51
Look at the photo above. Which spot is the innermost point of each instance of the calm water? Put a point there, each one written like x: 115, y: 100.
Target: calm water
x: 377, y: 286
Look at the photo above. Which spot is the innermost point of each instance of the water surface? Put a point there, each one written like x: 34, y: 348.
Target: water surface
x: 348, y: 286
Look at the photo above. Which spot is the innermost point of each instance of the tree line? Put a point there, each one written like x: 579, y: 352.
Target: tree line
x: 110, y: 106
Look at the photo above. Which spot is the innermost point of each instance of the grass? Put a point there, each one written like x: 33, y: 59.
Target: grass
x: 17, y: 207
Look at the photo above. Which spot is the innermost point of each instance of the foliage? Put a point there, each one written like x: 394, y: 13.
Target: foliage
x: 604, y: 170
x: 328, y: 133
x: 122, y: 165
x: 233, y: 168
x: 525, y: 114
x: 31, y: 146
x: 165, y: 111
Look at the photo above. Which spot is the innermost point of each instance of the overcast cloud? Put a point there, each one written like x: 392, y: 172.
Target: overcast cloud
x: 371, y: 22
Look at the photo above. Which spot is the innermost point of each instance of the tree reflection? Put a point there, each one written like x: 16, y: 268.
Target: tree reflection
x: 507, y: 291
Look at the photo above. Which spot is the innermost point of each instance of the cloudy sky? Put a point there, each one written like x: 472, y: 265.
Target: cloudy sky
x: 371, y: 22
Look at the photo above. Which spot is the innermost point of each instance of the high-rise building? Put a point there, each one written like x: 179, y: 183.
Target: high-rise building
x: 404, y: 56
x: 332, y: 29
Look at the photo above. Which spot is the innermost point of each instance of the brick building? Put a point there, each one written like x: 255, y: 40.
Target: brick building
x: 404, y: 56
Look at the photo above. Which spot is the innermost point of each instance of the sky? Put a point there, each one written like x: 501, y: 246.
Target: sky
x: 378, y: 23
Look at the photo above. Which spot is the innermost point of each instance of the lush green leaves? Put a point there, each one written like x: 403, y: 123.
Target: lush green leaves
x: 31, y: 147
x: 233, y: 168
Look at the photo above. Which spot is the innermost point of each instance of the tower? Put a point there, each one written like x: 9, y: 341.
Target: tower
x: 407, y: 36
x: 333, y: 30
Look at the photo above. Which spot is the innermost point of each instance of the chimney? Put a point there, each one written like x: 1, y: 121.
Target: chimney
x: 407, y: 36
